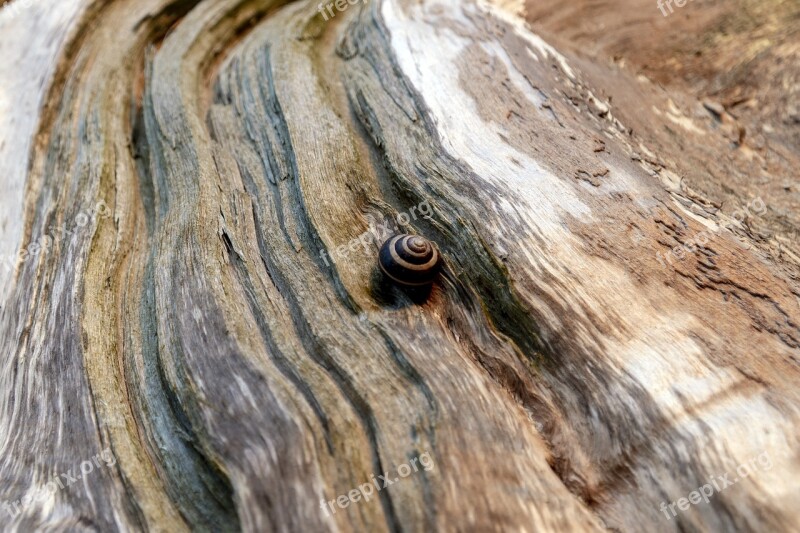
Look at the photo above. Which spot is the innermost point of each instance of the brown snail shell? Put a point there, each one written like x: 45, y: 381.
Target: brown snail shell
x: 410, y: 260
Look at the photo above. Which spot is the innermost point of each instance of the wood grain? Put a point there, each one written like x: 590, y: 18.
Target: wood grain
x: 243, y: 372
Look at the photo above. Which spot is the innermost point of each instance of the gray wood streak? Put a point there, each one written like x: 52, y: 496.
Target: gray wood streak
x: 559, y: 376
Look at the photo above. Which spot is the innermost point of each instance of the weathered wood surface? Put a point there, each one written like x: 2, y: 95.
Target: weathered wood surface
x: 205, y: 332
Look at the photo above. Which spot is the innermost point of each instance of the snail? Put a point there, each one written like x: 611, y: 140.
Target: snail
x: 409, y: 260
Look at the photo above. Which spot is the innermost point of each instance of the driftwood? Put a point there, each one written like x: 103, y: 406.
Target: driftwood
x: 199, y: 190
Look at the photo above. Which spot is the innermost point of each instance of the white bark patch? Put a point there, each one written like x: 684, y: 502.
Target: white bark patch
x: 29, y: 46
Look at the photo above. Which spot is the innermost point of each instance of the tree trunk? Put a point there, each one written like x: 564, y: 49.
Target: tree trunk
x: 199, y: 191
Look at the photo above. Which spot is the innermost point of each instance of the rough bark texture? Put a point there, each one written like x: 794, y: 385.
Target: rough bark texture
x: 561, y: 375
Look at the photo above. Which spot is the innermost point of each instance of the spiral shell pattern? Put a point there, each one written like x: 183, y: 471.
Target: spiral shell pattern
x: 410, y: 260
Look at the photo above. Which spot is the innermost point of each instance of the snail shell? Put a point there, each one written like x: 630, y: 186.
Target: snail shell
x: 410, y: 260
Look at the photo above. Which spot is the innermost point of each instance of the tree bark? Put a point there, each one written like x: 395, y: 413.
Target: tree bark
x: 201, y: 317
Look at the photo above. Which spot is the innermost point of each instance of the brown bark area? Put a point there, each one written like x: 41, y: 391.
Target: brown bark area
x: 732, y: 68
